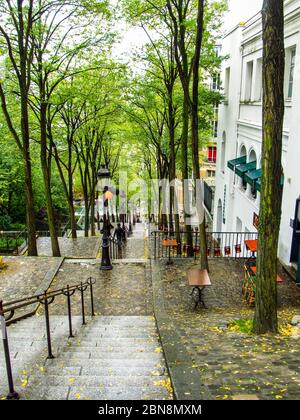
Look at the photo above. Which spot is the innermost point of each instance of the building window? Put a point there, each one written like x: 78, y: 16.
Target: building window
x: 291, y: 73
x: 243, y: 182
x: 215, y: 122
x: 216, y: 82
x: 258, y: 81
x: 249, y: 81
x: 227, y: 83
x: 223, y: 152
x: 211, y: 174
x: 212, y: 154
x: 253, y: 191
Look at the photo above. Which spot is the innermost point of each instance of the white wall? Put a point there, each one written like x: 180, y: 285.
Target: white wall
x: 242, y: 123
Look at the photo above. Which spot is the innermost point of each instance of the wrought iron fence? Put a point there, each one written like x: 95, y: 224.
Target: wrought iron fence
x: 11, y: 242
x: 46, y: 233
x: 219, y: 244
x: 9, y: 310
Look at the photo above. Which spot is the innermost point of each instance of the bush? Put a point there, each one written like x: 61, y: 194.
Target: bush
x: 17, y: 226
x: 5, y: 222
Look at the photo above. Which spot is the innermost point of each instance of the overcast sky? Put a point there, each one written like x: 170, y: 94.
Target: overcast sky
x: 239, y: 11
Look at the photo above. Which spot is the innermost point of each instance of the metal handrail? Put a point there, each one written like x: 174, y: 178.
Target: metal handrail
x: 114, y: 248
x: 12, y: 236
x: 8, y: 309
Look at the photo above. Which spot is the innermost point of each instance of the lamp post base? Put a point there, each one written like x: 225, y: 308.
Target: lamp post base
x: 106, y: 267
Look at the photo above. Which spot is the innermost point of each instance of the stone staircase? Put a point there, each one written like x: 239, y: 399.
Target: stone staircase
x: 110, y: 358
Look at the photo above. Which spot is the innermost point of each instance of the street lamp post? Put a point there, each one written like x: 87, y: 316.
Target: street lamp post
x: 106, y: 265
x: 129, y: 219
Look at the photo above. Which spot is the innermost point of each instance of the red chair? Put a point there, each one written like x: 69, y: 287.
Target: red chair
x: 196, y: 249
x: 238, y: 249
x: 217, y: 252
x: 227, y: 251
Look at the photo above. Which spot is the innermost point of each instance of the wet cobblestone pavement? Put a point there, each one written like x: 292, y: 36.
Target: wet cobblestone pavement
x: 71, y: 248
x: 125, y: 290
x: 230, y: 365
x: 25, y: 275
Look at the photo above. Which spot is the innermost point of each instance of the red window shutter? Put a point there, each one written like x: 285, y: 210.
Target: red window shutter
x: 210, y: 154
x: 214, y: 154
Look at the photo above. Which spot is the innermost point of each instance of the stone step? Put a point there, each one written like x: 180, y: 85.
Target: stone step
x: 114, y: 393
x: 122, y: 341
x: 118, y: 334
x: 94, y: 381
x: 63, y: 393
x: 100, y: 347
x: 108, y: 356
x: 104, y: 363
x: 104, y: 371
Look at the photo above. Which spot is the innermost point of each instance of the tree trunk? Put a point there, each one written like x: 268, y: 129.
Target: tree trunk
x: 185, y: 176
x: 265, y: 319
x: 172, y: 165
x: 71, y: 204
x: 47, y: 177
x: 30, y: 214
x: 87, y: 217
x: 195, y: 131
x: 93, y: 230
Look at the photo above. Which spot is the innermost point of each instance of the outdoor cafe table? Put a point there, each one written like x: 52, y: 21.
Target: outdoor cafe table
x: 198, y: 279
x: 169, y: 243
x: 251, y: 245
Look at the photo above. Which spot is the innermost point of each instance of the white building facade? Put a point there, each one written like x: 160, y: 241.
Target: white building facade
x: 237, y: 197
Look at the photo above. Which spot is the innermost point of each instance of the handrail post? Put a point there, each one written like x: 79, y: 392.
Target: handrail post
x: 69, y: 312
x: 92, y: 297
x: 155, y: 245
x: 50, y: 355
x: 12, y: 395
x: 82, y: 304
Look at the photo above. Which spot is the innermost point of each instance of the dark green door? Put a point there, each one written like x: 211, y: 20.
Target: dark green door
x: 296, y: 234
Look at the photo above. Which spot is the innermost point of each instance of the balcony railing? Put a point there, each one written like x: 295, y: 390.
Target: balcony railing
x: 219, y: 244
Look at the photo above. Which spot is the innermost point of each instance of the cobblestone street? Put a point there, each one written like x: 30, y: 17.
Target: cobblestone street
x: 227, y: 364
x: 25, y: 276
x: 71, y: 248
x: 126, y: 290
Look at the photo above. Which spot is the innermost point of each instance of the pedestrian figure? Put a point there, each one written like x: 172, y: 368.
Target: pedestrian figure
x: 119, y: 234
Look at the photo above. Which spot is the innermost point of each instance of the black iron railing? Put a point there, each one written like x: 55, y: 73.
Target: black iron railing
x: 9, y: 310
x: 12, y: 241
x: 115, y: 249
x: 219, y: 244
x: 46, y: 233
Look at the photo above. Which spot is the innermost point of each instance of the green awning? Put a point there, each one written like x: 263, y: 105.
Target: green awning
x: 258, y: 183
x: 241, y: 170
x: 253, y: 177
x: 239, y: 161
